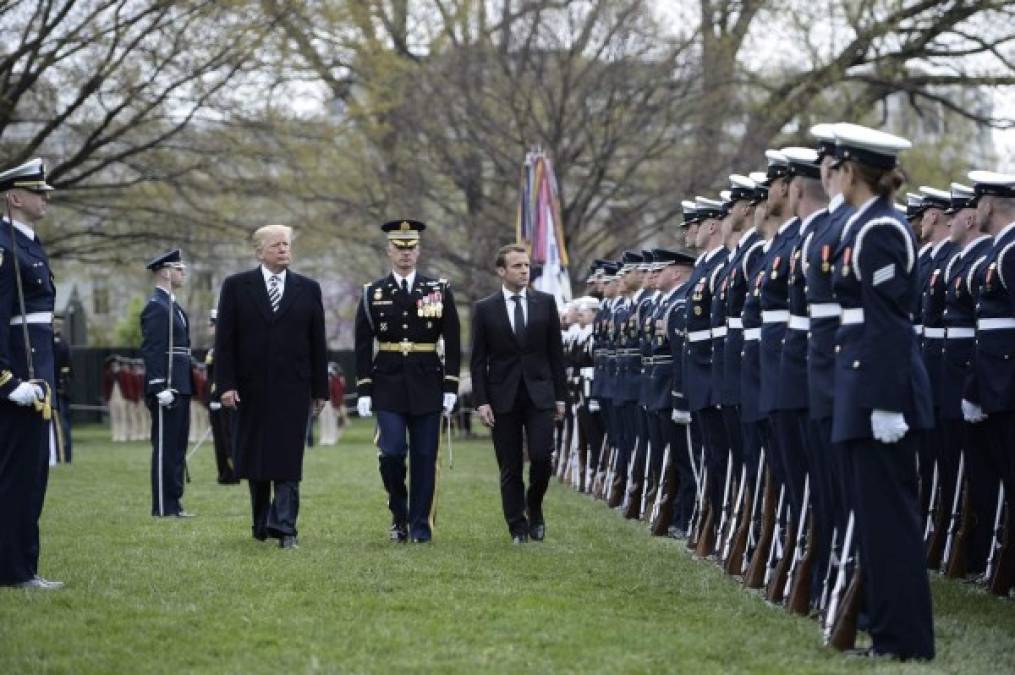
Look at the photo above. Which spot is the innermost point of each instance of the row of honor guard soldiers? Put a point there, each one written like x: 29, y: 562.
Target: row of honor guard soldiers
x: 823, y: 400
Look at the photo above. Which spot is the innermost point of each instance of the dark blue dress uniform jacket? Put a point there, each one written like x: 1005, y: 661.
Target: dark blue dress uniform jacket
x: 698, y: 353
x: 753, y: 266
x: 413, y: 383
x: 819, y: 251
x: 931, y: 318
x: 775, y: 297
x: 660, y: 375
x: 676, y: 328
x: 736, y: 290
x: 39, y: 292
x: 994, y: 370
x: 793, y: 388
x: 878, y: 363
x: 958, y: 312
x: 155, y: 346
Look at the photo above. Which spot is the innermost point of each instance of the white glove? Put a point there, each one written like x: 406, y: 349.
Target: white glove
x: 26, y: 393
x: 681, y: 417
x: 215, y: 405
x: 888, y: 427
x: 449, y: 402
x: 363, y: 406
x: 165, y: 397
x: 593, y: 405
x: 972, y: 413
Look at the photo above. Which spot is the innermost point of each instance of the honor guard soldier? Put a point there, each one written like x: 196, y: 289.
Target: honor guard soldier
x: 406, y: 314
x: 989, y: 398
x: 165, y: 347
x: 627, y: 360
x: 882, y: 394
x: 27, y: 377
x: 604, y: 382
x: 220, y: 417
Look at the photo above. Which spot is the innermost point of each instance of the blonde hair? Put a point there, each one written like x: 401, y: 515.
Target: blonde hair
x: 261, y: 234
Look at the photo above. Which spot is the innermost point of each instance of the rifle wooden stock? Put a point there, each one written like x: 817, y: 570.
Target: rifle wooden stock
x: 662, y: 515
x: 755, y: 577
x: 734, y: 563
x: 957, y: 563
x: 706, y: 535
x: 936, y: 541
x: 777, y: 584
x: 799, y: 601
x: 1003, y: 577
x: 843, y: 635
x: 616, y: 485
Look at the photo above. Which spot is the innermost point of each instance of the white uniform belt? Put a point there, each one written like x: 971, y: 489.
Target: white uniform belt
x: 698, y: 335
x: 752, y: 334
x: 995, y: 324
x: 630, y: 351
x: 799, y: 322
x: 933, y: 333
x: 657, y: 360
x: 852, y: 316
x: 918, y: 329
x: 185, y: 351
x: 960, y: 332
x: 719, y: 332
x: 587, y: 373
x: 825, y: 310
x: 735, y: 322
x: 32, y: 317
x: 775, y: 316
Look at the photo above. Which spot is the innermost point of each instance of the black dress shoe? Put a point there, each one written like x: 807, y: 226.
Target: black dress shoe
x: 537, y: 532
x: 399, y: 532
x: 183, y: 514
x: 288, y: 541
x: 519, y: 539
x: 420, y: 540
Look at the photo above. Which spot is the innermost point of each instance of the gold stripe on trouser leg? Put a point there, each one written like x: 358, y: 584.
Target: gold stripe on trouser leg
x: 432, y: 517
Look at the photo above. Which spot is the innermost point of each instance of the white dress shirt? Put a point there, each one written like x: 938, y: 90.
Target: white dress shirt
x: 281, y: 280
x: 25, y: 229
x: 409, y: 280
x: 511, y: 305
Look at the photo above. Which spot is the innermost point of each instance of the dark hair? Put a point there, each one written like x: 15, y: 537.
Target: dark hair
x: 502, y: 252
x: 882, y: 182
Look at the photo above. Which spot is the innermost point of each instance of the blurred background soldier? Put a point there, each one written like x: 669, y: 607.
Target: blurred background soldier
x: 165, y: 346
x: 220, y: 417
x: 407, y: 314
x: 26, y: 374
x: 61, y: 410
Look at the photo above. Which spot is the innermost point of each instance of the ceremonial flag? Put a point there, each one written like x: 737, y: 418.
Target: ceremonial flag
x: 540, y: 227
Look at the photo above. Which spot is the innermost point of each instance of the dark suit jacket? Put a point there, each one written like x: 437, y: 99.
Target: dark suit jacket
x: 278, y: 362
x: 500, y: 361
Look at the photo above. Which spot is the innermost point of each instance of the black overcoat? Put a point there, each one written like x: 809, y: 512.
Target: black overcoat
x: 277, y: 361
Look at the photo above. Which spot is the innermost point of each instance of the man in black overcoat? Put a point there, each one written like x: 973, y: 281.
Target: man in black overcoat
x: 519, y: 386
x: 271, y: 367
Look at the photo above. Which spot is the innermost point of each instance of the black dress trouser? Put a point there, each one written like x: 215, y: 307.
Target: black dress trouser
x: 535, y: 426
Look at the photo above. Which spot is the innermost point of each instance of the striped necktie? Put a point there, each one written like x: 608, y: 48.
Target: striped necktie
x: 273, y: 293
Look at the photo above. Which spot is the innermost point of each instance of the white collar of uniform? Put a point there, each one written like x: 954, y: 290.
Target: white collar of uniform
x: 856, y: 216
x: 409, y: 280
x: 785, y: 226
x: 584, y: 331
x: 926, y: 247
x: 25, y: 229
x: 944, y: 240
x: 1007, y: 228
x: 969, y: 247
x: 835, y: 202
x: 656, y: 293
x: 711, y: 254
x: 508, y: 294
x: 669, y: 294
x: 172, y: 296
x: 745, y: 237
x: 810, y: 219
x: 267, y: 274
x: 638, y: 295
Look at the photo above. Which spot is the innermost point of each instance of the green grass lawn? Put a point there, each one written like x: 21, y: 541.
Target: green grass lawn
x: 600, y: 595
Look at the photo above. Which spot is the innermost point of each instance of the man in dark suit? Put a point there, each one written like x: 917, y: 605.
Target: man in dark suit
x: 518, y: 384
x: 271, y: 361
x: 165, y: 346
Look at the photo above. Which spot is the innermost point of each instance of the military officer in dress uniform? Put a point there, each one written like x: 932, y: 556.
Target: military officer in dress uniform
x: 27, y: 376
x: 165, y: 347
x: 882, y: 393
x: 407, y: 314
x: 989, y: 397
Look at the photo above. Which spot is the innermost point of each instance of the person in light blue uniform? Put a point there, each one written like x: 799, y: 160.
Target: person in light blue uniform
x: 882, y: 393
x: 27, y: 373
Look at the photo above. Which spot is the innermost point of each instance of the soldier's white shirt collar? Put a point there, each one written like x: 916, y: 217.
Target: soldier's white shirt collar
x: 745, y: 237
x: 810, y: 219
x: 923, y: 249
x: 25, y: 229
x: 711, y: 254
x: 409, y: 280
x: 938, y: 245
x: 835, y: 202
x: 1007, y: 228
x: 969, y: 247
x: 785, y: 226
